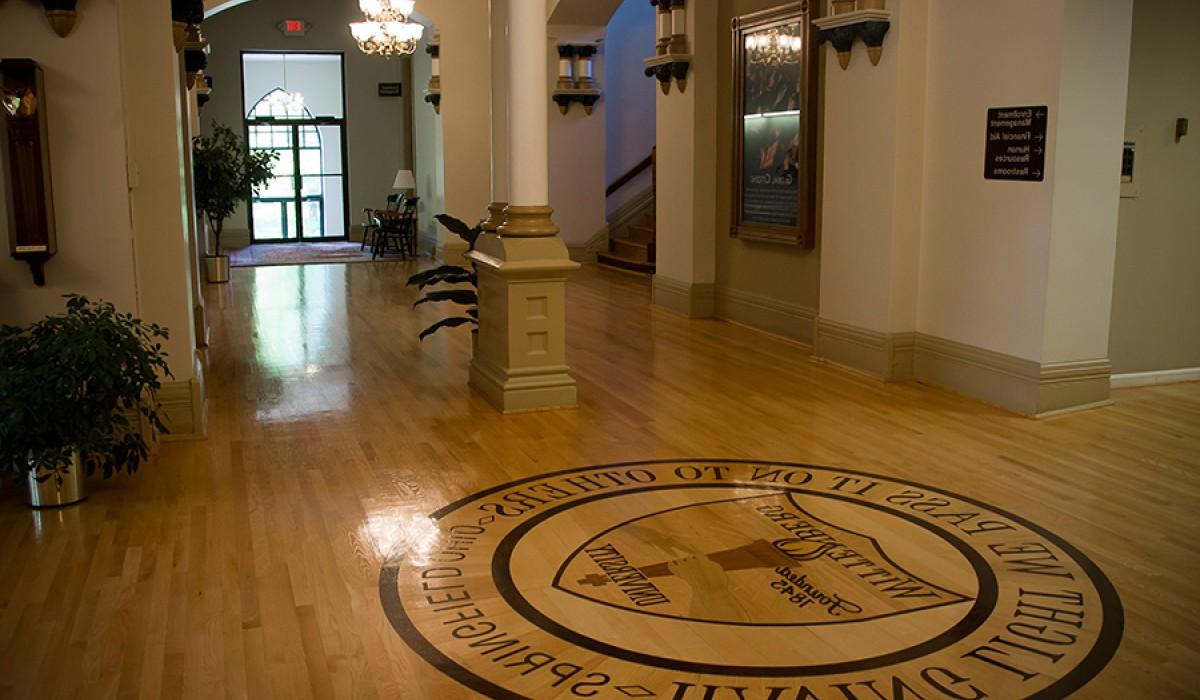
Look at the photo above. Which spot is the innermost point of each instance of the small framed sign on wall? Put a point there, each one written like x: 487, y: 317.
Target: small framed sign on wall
x: 774, y: 128
x: 391, y: 89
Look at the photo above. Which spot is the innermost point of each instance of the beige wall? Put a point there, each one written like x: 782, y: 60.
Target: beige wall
x: 87, y: 154
x: 427, y: 147
x: 116, y: 153
x: 1155, y: 324
x: 577, y: 154
x: 379, y: 131
x: 985, y: 242
x: 777, y: 272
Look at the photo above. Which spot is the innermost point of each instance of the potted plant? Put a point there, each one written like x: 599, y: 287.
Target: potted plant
x: 73, y: 395
x: 227, y: 174
x: 451, y: 274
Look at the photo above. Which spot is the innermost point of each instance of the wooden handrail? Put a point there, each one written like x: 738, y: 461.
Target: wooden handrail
x: 633, y: 173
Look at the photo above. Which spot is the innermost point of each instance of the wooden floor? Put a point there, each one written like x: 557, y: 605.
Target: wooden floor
x: 248, y: 565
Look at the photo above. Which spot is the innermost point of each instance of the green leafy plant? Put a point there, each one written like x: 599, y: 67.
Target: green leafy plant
x: 80, y: 381
x: 227, y: 174
x: 452, y: 275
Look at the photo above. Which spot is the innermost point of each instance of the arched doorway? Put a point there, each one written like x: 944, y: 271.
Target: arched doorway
x: 301, y: 119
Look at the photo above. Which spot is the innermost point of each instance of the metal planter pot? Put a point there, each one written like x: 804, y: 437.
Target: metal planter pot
x: 216, y: 268
x: 59, y: 489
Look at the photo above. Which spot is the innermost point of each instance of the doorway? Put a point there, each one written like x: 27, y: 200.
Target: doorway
x: 294, y: 106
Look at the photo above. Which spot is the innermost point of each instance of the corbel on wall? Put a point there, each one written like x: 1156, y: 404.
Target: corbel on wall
x: 433, y: 95
x: 186, y: 16
x: 849, y: 20
x: 576, y: 78
x: 672, y: 60
x: 62, y: 15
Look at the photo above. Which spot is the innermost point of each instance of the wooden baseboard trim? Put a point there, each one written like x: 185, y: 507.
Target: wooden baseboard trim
x: 792, y: 321
x: 1169, y: 376
x: 691, y: 300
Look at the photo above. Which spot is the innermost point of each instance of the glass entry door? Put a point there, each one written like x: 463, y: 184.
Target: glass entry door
x: 295, y: 107
x: 306, y: 198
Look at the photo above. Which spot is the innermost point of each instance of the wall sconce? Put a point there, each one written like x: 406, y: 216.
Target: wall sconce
x: 673, y: 59
x: 855, y: 19
x: 434, y: 94
x: 61, y: 14
x: 204, y: 91
x: 195, y: 54
x: 576, y: 78
x: 185, y: 14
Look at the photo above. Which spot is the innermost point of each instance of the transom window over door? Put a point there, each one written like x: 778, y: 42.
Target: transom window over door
x: 295, y: 108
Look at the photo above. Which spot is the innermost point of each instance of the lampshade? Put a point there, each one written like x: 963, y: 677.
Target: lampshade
x: 405, y: 180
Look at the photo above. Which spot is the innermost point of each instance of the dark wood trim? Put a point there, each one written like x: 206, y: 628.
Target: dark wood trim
x: 804, y: 233
x: 629, y: 176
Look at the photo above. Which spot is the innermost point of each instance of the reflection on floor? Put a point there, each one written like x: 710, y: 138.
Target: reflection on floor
x: 248, y: 565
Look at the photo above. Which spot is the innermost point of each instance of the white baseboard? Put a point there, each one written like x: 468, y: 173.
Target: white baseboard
x: 1168, y: 376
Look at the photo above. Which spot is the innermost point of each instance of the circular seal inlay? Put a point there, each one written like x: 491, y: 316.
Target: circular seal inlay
x: 707, y: 580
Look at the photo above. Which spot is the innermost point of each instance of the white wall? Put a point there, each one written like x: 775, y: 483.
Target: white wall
x: 629, y: 100
x: 87, y: 153
x: 1155, y: 325
x: 985, y: 244
x: 427, y: 147
x: 577, y: 147
x: 1087, y: 183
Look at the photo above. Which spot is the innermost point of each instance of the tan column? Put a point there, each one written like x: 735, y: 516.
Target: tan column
x: 500, y: 83
x: 520, y: 355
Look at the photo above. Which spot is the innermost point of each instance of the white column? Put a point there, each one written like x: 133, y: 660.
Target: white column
x: 520, y: 361
x: 500, y: 146
x: 529, y: 168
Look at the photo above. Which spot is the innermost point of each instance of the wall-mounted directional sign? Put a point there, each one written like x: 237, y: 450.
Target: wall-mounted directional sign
x: 1016, y: 144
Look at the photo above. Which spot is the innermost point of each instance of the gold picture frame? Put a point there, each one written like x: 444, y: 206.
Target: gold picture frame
x: 775, y: 66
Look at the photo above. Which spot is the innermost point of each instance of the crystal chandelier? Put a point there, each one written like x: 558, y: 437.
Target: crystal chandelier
x: 388, y: 30
x: 290, y: 103
x: 773, y: 47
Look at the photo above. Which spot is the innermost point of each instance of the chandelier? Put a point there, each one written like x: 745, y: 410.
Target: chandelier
x: 283, y: 99
x: 387, y: 31
x: 773, y: 47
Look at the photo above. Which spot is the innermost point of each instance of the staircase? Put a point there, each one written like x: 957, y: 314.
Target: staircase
x: 634, y: 251
x: 631, y: 246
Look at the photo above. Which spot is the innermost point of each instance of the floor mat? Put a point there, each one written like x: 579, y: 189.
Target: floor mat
x: 266, y: 254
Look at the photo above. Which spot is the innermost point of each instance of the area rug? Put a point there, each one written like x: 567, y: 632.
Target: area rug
x: 263, y: 255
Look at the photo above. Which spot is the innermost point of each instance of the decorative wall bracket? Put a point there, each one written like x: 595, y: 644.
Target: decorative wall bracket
x: 185, y: 15
x: 673, y: 59
x: 61, y: 15
x: 195, y: 55
x: 576, y: 78
x: 841, y: 30
x: 433, y: 95
x: 670, y: 67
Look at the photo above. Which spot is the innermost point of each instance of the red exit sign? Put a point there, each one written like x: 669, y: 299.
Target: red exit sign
x: 294, y: 27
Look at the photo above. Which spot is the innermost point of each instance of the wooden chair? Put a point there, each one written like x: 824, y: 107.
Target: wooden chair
x: 397, y: 232
x: 371, y: 221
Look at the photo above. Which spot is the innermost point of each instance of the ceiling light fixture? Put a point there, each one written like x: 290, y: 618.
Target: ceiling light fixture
x: 387, y: 31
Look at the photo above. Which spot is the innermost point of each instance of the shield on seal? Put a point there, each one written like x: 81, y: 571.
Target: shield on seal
x: 747, y: 561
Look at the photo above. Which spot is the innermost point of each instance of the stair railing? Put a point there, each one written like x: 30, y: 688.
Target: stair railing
x: 650, y: 162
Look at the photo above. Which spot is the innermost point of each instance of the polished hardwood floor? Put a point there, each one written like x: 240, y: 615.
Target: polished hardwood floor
x: 247, y: 565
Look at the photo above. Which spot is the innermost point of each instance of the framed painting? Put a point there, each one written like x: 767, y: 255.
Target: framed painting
x: 774, y: 126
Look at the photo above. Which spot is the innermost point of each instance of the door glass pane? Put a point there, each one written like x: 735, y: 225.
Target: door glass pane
x: 333, y: 211
x: 311, y: 209
x: 269, y: 220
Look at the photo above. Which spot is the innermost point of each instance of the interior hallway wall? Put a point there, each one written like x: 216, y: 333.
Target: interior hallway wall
x: 87, y: 155
x: 379, y: 130
x: 628, y: 97
x: 577, y: 148
x: 1155, y: 324
x: 428, y: 167
x: 773, y: 287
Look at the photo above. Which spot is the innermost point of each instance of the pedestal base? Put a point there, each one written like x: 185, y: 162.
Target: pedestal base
x: 517, y: 391
x: 520, y: 357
